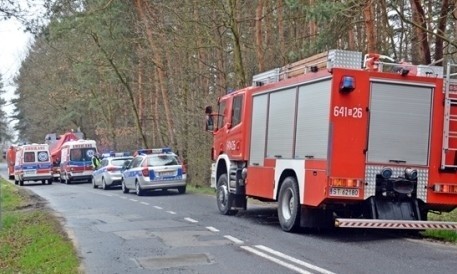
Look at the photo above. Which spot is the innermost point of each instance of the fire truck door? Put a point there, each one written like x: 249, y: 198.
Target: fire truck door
x: 234, y: 141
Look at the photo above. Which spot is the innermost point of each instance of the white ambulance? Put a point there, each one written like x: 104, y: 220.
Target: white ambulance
x: 32, y: 163
x: 76, y: 161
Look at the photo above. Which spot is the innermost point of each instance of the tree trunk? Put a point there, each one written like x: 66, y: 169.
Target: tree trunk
x: 281, y: 37
x: 441, y: 33
x: 258, y: 36
x: 423, y: 49
x: 369, y: 26
x: 141, y: 7
x: 238, y: 55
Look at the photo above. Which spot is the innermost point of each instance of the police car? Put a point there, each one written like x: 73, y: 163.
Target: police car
x: 154, y: 169
x: 109, y: 173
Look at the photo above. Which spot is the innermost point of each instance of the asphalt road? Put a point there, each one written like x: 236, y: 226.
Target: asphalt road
x: 165, y: 232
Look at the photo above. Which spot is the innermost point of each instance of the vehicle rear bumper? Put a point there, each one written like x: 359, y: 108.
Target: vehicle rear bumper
x: 79, y: 177
x: 37, y: 177
x: 162, y: 184
x: 113, y: 180
x: 394, y: 224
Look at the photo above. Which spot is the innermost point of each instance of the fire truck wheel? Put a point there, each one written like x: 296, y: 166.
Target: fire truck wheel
x: 289, y: 205
x: 50, y: 182
x: 43, y: 182
x: 224, y: 197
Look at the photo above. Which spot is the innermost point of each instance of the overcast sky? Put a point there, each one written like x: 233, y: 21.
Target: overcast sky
x: 14, y: 44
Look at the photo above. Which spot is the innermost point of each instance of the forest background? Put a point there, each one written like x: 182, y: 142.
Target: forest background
x: 139, y: 73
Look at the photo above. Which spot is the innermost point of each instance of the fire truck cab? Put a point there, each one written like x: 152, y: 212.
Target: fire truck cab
x: 76, y: 161
x: 32, y: 163
x: 340, y: 143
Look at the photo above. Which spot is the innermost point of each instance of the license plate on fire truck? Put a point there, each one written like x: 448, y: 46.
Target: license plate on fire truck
x: 344, y: 192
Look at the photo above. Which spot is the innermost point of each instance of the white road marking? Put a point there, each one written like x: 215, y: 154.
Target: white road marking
x: 133, y: 200
x: 191, y: 220
x: 213, y: 229
x: 233, y: 239
x: 122, y: 197
x: 103, y: 194
x: 171, y: 212
x: 294, y: 260
x: 275, y: 260
x: 158, y: 207
x: 144, y: 203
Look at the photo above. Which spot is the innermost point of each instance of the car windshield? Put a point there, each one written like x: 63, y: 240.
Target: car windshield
x: 162, y: 160
x: 119, y: 162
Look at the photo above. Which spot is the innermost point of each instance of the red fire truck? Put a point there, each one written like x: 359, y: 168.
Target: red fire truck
x: 347, y: 141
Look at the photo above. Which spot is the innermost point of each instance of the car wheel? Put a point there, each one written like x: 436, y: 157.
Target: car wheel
x: 289, y: 205
x: 105, y: 186
x: 139, y: 191
x: 94, y: 185
x: 224, y: 197
x: 15, y: 182
x: 21, y: 182
x: 124, y: 188
x: 182, y: 189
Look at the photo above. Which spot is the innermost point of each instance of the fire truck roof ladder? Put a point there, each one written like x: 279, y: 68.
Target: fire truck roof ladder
x: 312, y: 64
x: 449, y: 148
x: 328, y: 59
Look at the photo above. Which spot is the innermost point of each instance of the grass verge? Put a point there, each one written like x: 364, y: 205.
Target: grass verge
x: 31, y: 237
x: 201, y: 189
x: 444, y: 235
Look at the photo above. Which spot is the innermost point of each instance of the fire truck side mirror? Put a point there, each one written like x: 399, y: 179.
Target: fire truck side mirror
x: 209, y: 126
x: 209, y: 123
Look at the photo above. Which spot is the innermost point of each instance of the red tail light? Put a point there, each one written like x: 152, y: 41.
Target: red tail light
x: 111, y: 168
x: 145, y: 172
x: 184, y: 169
